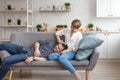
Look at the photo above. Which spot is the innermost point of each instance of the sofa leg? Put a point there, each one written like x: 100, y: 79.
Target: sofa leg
x: 87, y: 74
x: 10, y: 75
x: 20, y: 72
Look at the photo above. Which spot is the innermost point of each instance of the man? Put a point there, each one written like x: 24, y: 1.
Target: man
x: 40, y: 51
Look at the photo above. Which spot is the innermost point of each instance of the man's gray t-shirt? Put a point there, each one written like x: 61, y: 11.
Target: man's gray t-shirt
x: 46, y: 47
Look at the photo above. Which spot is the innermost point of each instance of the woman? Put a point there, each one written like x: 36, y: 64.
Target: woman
x: 72, y: 39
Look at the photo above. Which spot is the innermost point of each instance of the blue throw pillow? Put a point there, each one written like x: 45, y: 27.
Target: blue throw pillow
x: 87, y: 45
x: 90, y: 42
x: 83, y: 54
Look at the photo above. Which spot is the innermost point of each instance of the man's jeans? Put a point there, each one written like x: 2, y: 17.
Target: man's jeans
x: 64, y: 59
x: 17, y: 55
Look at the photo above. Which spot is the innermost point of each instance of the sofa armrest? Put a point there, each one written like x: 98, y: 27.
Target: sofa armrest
x: 4, y: 54
x: 93, y: 59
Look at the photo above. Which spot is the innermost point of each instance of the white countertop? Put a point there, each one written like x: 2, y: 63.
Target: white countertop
x: 114, y: 32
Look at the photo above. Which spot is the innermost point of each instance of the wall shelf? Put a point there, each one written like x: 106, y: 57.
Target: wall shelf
x: 54, y: 10
x: 10, y: 19
x: 11, y: 26
x: 13, y: 11
x: 4, y: 40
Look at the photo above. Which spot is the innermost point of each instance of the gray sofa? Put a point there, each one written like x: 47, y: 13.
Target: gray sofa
x: 27, y: 39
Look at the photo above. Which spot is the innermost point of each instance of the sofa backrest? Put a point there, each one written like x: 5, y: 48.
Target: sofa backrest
x: 28, y: 38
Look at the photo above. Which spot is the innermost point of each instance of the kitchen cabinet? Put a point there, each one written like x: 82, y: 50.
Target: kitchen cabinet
x: 108, y: 8
x: 110, y: 49
x: 102, y: 47
x: 113, y: 46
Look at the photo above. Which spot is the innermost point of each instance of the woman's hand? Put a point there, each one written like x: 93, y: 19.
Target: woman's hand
x: 61, y: 41
x: 28, y: 60
x: 37, y: 53
x: 64, y: 51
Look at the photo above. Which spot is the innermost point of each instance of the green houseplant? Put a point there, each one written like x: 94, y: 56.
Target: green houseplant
x: 39, y: 26
x: 60, y: 27
x: 65, y: 26
x: 67, y: 5
x: 18, y: 21
x: 9, y: 21
x: 9, y: 7
x: 90, y: 26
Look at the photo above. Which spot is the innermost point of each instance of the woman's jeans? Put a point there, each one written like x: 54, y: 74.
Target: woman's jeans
x: 64, y: 59
x: 17, y: 55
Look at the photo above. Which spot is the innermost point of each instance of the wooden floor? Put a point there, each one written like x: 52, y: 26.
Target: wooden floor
x: 103, y: 71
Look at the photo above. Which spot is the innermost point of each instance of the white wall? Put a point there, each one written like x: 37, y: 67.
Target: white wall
x: 85, y: 10
x: 78, y: 11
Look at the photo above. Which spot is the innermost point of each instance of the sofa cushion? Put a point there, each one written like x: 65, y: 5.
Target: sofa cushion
x: 83, y: 54
x: 50, y: 64
x: 90, y: 42
x: 87, y: 45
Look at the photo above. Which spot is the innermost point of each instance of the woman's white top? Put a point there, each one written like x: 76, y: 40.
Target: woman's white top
x: 72, y: 41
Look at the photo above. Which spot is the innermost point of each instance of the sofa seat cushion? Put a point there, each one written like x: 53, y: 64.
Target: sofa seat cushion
x: 83, y: 63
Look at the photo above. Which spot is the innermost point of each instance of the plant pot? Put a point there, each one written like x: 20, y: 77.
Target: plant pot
x: 9, y: 7
x: 57, y: 29
x: 9, y: 22
x: 91, y: 29
x: 18, y: 22
x: 38, y: 29
x: 68, y: 8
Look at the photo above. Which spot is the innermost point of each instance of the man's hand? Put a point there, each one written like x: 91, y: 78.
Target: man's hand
x: 37, y: 53
x: 28, y: 60
x: 40, y: 59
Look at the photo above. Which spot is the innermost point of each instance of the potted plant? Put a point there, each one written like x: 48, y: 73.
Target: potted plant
x: 39, y: 26
x: 90, y: 26
x: 67, y: 5
x: 61, y: 26
x: 57, y: 27
x: 9, y: 7
x: 9, y: 21
x: 65, y: 26
x: 18, y: 21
